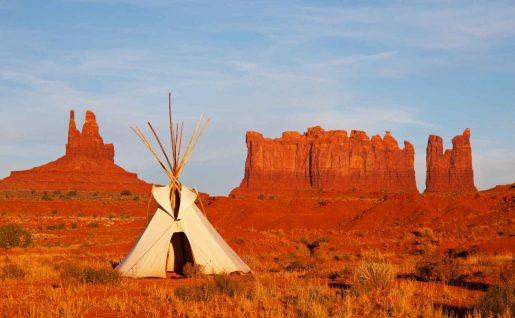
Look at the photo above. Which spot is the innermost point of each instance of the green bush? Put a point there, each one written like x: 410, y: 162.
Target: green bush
x: 89, y: 275
x: 13, y: 235
x: 12, y: 271
x: 497, y: 299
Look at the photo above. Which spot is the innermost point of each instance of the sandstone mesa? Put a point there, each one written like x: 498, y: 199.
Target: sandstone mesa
x: 327, y: 160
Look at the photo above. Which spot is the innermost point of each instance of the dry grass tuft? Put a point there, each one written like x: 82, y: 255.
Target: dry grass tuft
x: 373, y: 275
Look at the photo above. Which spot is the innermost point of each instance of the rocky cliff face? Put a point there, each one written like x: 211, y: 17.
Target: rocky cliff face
x: 450, y: 171
x: 88, y: 165
x: 327, y: 160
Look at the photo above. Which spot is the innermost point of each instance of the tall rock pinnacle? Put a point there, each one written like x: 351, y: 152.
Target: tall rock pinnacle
x: 450, y: 171
x: 89, y: 143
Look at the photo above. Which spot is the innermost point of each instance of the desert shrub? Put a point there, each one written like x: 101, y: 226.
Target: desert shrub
x: 55, y: 227
x: 238, y: 240
x: 261, y: 197
x: 314, y: 244
x: 498, y: 299
x: 423, y: 232
x: 12, y: 271
x: 218, y: 285
x: 125, y: 192
x: 72, y: 193
x: 192, y: 270
x: 373, y: 275
x: 13, y: 235
x: 439, y: 268
x: 295, y: 266
x: 46, y: 197
x: 89, y: 275
x: 73, y: 225
x: 93, y: 225
x: 54, y: 212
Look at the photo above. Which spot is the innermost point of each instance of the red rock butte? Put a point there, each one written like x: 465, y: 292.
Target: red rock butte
x: 88, y: 165
x: 450, y: 171
x: 327, y: 160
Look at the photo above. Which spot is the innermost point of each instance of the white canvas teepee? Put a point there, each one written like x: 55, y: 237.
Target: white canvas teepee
x: 178, y: 233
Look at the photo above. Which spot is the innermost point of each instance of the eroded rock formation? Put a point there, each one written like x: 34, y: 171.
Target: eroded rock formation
x: 327, y: 160
x: 88, y: 165
x: 450, y: 171
x: 89, y: 143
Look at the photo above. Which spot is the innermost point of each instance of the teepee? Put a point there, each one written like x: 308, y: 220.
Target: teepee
x: 179, y: 232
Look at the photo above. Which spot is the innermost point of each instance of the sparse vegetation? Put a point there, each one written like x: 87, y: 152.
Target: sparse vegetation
x: 126, y: 192
x: 439, y: 268
x: 261, y: 196
x: 87, y: 275
x: 498, y: 300
x: 215, y: 285
x: 12, y: 271
x: 423, y: 232
x: 93, y: 225
x: 55, y: 227
x: 14, y: 235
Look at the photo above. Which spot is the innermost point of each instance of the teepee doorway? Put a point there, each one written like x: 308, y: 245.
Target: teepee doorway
x: 179, y: 253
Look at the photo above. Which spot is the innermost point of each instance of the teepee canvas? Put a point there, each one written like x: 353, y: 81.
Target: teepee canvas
x: 179, y: 232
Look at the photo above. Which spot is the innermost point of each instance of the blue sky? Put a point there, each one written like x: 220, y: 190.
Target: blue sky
x: 412, y: 67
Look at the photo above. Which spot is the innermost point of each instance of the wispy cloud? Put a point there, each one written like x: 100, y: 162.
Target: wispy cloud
x: 362, y: 118
x: 400, y: 66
